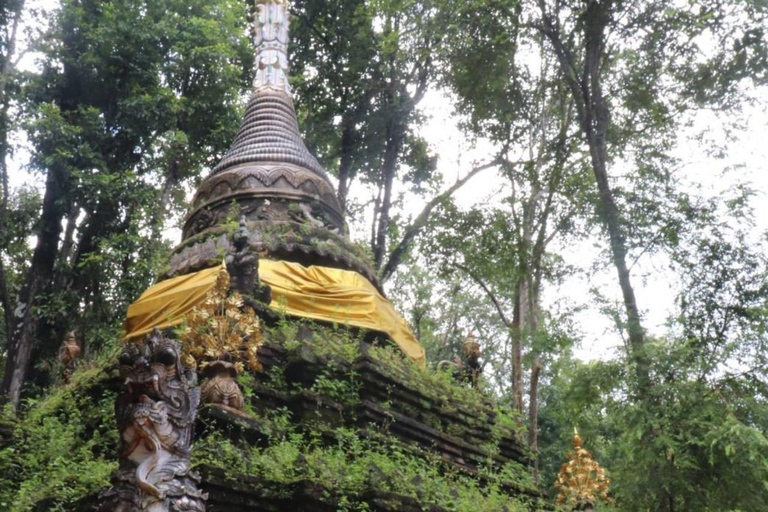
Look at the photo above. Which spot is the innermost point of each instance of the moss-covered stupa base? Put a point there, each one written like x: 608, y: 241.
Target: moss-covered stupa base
x: 332, y: 423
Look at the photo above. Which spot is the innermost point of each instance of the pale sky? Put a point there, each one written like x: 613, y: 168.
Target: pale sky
x: 654, y: 285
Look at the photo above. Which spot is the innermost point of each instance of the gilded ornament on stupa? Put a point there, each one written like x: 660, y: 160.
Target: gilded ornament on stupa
x: 581, y: 481
x: 221, y: 329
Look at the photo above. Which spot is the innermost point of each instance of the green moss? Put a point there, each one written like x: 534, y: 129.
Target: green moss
x: 336, y: 350
x: 275, y: 234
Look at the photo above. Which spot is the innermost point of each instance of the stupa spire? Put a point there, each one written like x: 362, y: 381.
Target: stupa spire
x: 268, y: 176
x: 270, y: 131
x: 271, y: 39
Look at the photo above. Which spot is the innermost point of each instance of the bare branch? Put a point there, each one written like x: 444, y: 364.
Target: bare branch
x: 418, y: 224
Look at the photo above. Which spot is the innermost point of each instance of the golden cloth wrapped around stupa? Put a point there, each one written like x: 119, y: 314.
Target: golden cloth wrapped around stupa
x: 320, y: 293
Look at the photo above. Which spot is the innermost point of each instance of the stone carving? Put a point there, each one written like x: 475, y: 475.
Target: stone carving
x: 242, y: 264
x: 262, y: 177
x: 155, y: 418
x: 255, y: 189
x: 266, y: 212
x: 221, y: 386
x: 69, y: 352
x: 202, y: 221
x: 243, y: 267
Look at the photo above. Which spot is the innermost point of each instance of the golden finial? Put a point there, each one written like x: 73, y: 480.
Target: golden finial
x: 581, y: 481
x: 576, y: 438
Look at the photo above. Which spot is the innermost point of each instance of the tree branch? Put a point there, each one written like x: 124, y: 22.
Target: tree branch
x: 488, y: 292
x: 418, y: 224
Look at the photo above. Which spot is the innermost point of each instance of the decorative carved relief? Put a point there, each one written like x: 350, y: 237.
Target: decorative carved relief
x: 272, y: 45
x: 311, y: 212
x: 258, y: 177
x: 155, y: 418
x: 220, y: 386
x: 203, y: 219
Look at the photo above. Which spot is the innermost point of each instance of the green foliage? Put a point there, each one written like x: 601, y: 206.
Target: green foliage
x: 132, y: 102
x: 64, y: 448
x: 695, y: 442
x: 352, y: 465
x: 135, y: 99
x: 338, y: 349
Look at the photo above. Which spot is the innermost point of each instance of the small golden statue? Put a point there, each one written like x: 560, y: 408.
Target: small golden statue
x: 471, y: 363
x: 467, y: 369
x: 69, y: 352
x: 581, y: 480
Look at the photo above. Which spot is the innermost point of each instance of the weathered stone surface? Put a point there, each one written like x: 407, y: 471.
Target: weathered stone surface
x: 155, y: 417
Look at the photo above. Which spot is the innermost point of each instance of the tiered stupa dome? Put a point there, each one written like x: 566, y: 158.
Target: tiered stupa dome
x: 269, y: 177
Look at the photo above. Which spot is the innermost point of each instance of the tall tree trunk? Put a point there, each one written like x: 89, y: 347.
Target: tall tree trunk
x: 5, y: 303
x: 345, y: 160
x: 595, y: 126
x: 22, y: 341
x: 592, y: 109
x: 517, y: 328
x: 5, y: 102
x: 394, y: 137
x: 533, y: 417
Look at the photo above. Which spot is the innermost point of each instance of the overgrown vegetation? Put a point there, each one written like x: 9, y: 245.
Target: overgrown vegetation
x: 64, y: 448
x: 344, y: 463
x: 352, y: 466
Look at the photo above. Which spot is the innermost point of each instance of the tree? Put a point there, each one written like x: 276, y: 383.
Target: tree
x: 131, y: 94
x: 615, y: 57
x: 334, y: 62
x: 363, y: 68
x: 690, y: 443
x: 10, y: 20
x: 527, y: 113
x: 631, y: 71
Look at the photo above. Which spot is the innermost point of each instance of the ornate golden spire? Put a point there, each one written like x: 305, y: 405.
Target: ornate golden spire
x: 581, y: 480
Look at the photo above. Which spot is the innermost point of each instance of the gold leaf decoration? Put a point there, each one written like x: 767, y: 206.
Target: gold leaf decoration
x: 581, y: 481
x: 221, y: 329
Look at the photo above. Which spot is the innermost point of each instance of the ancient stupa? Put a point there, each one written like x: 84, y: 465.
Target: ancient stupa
x: 314, y: 392
x: 270, y: 178
x: 284, y: 206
